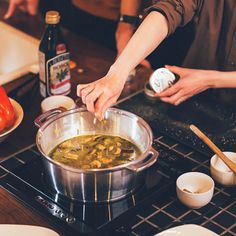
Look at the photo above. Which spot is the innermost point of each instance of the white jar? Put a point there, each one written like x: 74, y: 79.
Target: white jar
x: 162, y: 79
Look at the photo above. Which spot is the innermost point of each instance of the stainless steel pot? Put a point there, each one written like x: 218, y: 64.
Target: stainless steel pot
x: 94, y: 185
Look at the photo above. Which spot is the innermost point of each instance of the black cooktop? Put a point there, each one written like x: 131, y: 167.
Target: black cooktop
x: 214, y: 112
x: 153, y: 207
x: 26, y: 180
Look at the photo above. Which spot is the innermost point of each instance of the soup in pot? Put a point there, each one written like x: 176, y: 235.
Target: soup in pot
x: 95, y: 151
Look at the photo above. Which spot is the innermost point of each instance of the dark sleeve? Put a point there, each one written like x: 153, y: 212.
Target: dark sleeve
x: 177, y: 12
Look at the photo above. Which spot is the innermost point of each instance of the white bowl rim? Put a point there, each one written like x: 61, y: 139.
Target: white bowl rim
x: 198, y: 173
x: 57, y: 101
x: 39, y: 230
x: 19, y: 113
x: 218, y: 170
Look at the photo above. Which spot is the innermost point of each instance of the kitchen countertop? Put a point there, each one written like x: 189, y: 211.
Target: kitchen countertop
x: 94, y: 59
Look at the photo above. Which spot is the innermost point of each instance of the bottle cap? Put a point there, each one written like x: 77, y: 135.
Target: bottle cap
x: 52, y: 17
x: 161, y: 79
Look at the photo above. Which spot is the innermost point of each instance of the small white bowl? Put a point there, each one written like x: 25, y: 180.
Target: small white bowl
x: 195, y: 189
x: 57, y: 101
x: 187, y: 230
x: 19, y: 114
x: 220, y: 172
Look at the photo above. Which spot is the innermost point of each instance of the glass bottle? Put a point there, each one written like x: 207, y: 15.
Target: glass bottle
x: 54, y: 68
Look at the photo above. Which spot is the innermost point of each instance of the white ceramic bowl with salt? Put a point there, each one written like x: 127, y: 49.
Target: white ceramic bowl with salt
x: 195, y: 189
x: 220, y: 172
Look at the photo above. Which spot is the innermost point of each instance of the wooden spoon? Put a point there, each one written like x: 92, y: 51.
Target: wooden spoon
x: 214, y: 148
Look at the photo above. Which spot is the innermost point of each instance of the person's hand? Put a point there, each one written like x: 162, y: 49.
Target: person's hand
x: 29, y: 6
x: 101, y: 94
x: 190, y: 83
x: 124, y: 32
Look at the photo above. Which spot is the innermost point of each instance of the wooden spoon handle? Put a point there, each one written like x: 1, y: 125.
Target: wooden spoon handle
x: 214, y: 148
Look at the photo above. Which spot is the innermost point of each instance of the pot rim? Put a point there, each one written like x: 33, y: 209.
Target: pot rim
x: 141, y: 158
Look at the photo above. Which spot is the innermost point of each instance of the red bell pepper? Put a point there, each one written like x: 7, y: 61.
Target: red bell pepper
x: 7, y: 114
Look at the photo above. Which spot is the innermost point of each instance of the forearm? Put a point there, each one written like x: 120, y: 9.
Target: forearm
x: 129, y: 11
x: 130, y: 7
x: 222, y: 79
x: 148, y: 36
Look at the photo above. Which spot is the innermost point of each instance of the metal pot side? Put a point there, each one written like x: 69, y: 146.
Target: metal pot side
x: 95, y: 185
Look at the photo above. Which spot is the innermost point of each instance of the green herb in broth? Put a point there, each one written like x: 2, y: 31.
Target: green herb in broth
x: 95, y: 151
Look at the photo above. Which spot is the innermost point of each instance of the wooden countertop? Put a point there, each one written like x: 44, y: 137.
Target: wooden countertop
x: 14, y: 212
x: 95, y: 60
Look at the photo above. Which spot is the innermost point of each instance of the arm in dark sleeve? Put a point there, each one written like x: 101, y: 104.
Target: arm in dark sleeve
x: 177, y: 12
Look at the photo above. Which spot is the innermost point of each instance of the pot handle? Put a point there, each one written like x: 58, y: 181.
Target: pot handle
x: 153, y: 154
x: 40, y: 120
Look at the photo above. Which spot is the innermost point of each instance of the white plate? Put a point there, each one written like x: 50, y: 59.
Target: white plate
x: 25, y: 230
x: 19, y: 113
x: 187, y: 230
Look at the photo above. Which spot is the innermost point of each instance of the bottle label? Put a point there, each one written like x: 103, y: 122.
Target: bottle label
x: 58, y: 75
x: 42, y: 74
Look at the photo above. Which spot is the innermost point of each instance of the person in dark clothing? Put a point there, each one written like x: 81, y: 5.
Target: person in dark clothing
x: 108, y: 22
x: 210, y: 61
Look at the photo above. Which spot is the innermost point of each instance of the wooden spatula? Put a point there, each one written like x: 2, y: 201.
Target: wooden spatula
x: 214, y: 148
